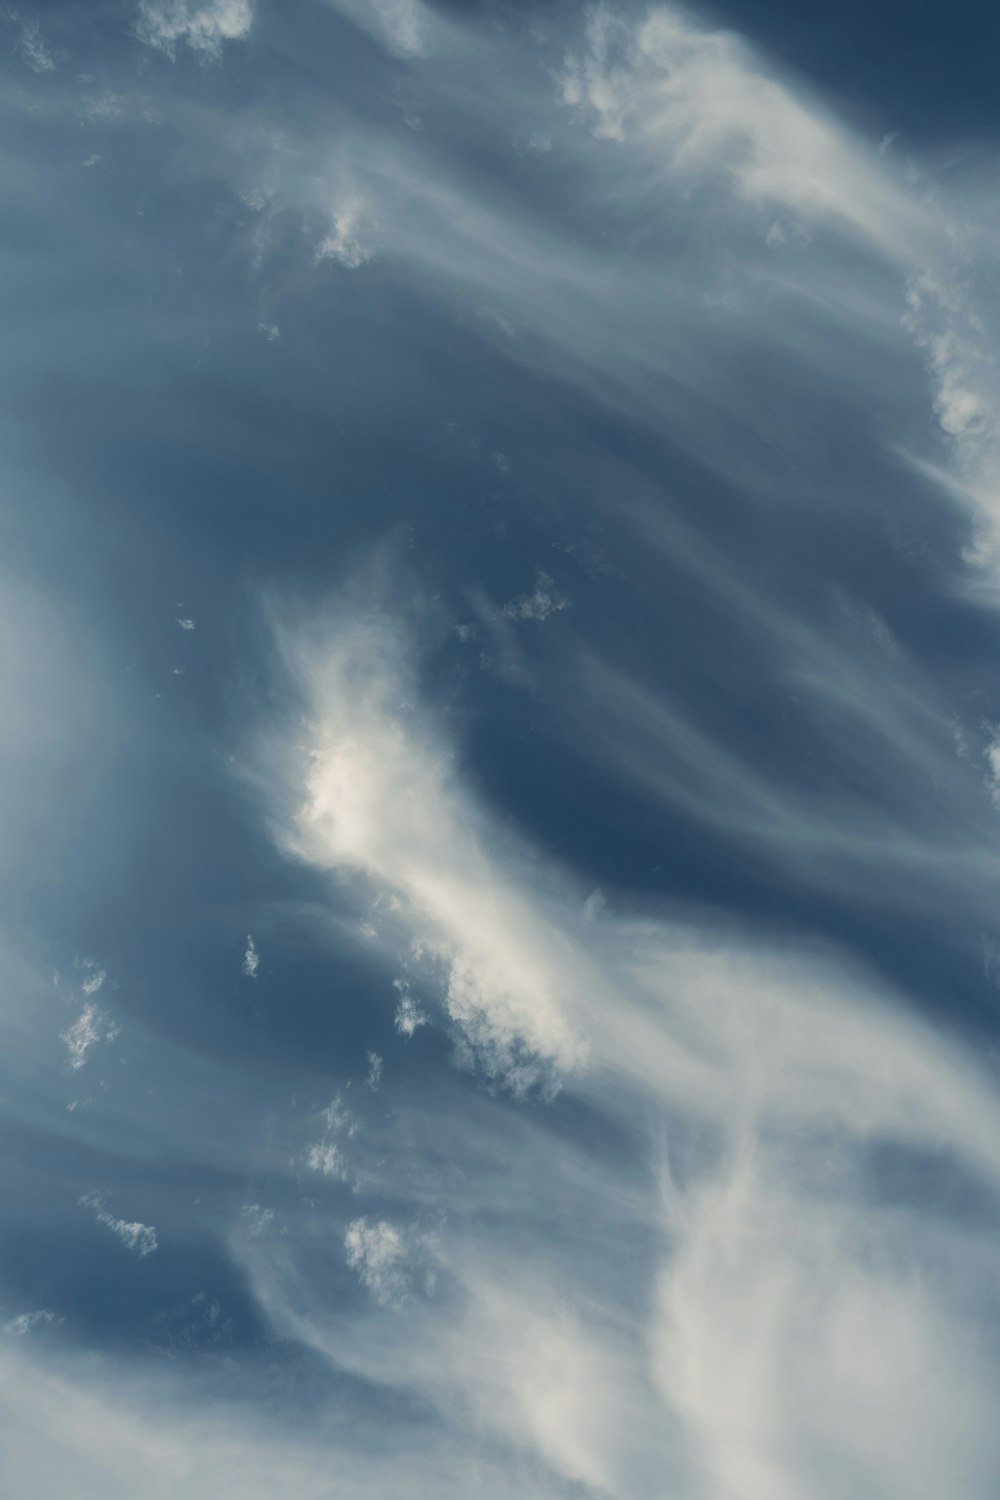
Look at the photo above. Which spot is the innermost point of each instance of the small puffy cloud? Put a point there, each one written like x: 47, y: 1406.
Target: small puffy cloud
x: 326, y: 1155
x: 141, y: 1238
x: 409, y: 1016
x: 204, y: 27
x: 338, y: 1119
x: 134, y: 1236
x: 186, y: 624
x: 348, y: 239
x: 376, y: 1251
x: 543, y: 601
x: 90, y: 1027
x: 374, y: 1071
x: 327, y: 1158
x: 269, y: 331
x: 251, y: 958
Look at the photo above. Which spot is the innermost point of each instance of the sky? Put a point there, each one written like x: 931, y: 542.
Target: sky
x: 500, y: 751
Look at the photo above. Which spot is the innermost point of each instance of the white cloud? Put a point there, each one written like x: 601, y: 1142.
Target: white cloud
x: 134, y: 1236
x: 775, y: 1299
x: 90, y: 1027
x: 402, y: 26
x: 377, y: 1252
x: 186, y: 624
x: 409, y: 1016
x: 703, y: 101
x: 944, y: 316
x: 203, y: 25
x: 251, y: 959
x: 327, y: 1155
x: 95, y: 979
x: 327, y: 1158
x: 256, y: 1219
x: 349, y: 238
x: 374, y: 1071
x: 25, y: 1322
x: 67, y: 1428
x: 991, y: 754
x: 380, y: 798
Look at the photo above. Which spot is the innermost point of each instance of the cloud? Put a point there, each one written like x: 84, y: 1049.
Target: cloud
x: 32, y: 46
x: 164, y: 1436
x: 90, y: 1027
x: 256, y: 1219
x: 713, y: 1210
x: 543, y: 601
x: 349, y: 238
x: 134, y: 1236
x: 379, y: 797
x: 186, y: 624
x: 771, y: 1087
x: 203, y: 25
x: 402, y: 27
x: 95, y: 977
x: 702, y: 99
x: 949, y: 314
x: 377, y: 1252
x: 327, y: 1155
x: 251, y: 959
x: 25, y: 1322
x: 409, y: 1016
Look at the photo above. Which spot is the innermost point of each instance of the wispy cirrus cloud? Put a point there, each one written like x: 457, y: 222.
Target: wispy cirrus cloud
x: 616, y: 322
x: 773, y: 1088
x: 202, y: 25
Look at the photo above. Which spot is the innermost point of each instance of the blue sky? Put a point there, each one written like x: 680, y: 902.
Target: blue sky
x: 501, y: 755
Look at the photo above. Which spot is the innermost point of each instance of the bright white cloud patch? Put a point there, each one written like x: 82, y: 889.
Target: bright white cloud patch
x: 377, y: 1251
x: 380, y: 798
x: 401, y: 26
x: 203, y: 25
x: 140, y: 1238
x: 769, y: 1083
x: 91, y: 1027
x: 704, y: 101
x: 349, y: 238
x: 750, y: 1253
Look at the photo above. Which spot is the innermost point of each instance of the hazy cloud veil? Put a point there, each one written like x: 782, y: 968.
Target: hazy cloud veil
x: 501, y: 770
